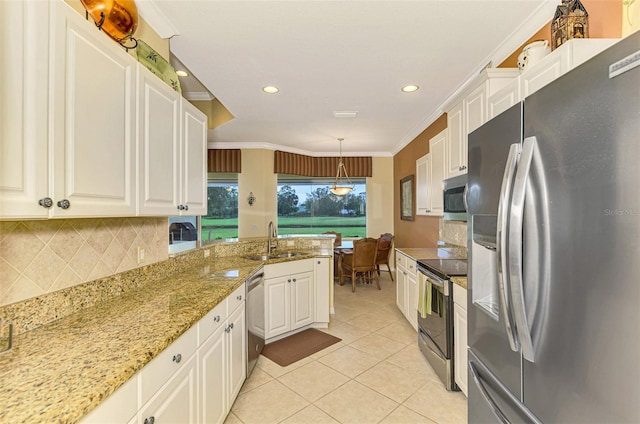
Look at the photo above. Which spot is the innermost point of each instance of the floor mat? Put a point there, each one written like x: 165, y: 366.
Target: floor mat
x: 298, y: 346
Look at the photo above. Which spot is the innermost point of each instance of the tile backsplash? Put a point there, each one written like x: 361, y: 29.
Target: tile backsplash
x: 39, y: 257
x: 453, y: 232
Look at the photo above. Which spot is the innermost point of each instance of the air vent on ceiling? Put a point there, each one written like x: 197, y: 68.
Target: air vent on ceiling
x: 344, y: 114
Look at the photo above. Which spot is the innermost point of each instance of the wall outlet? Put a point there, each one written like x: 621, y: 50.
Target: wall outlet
x: 207, y: 253
x: 140, y: 254
x: 290, y: 243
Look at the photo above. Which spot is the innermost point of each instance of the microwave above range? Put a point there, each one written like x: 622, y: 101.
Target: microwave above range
x: 455, y: 205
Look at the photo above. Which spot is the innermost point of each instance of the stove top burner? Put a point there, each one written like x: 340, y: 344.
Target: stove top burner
x: 445, y: 268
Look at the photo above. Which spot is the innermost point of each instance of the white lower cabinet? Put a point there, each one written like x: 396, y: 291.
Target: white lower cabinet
x: 323, y: 282
x: 289, y: 297
x: 222, y: 359
x: 176, y: 401
x: 407, y: 287
x: 460, y: 337
x: 194, y: 380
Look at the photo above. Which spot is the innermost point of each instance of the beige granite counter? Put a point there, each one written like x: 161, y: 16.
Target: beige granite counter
x: 416, y: 253
x: 63, y: 369
x: 461, y: 281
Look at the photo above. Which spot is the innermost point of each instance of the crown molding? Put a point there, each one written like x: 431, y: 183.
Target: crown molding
x: 152, y: 15
x: 198, y: 96
x: 271, y: 146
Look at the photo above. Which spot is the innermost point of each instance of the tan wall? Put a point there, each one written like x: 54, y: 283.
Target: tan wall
x: 423, y: 231
x: 379, y: 204
x: 257, y: 177
x: 604, y: 22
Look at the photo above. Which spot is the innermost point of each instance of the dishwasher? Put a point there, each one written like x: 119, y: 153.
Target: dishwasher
x: 255, y: 319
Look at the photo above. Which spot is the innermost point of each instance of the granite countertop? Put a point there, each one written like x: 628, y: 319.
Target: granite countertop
x: 62, y: 370
x: 417, y: 253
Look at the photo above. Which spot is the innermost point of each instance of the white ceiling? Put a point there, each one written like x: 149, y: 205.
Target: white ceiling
x: 342, y: 55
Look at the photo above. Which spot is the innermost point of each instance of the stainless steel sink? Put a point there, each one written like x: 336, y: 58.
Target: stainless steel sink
x: 260, y: 257
x: 275, y: 256
x: 290, y: 254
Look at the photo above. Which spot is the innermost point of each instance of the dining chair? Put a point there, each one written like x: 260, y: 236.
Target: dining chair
x: 361, y: 261
x: 385, y: 244
x: 338, y: 241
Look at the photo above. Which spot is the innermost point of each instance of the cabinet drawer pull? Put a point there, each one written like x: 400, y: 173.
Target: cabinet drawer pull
x: 216, y: 318
x: 177, y: 358
x: 45, y: 202
x: 239, y: 297
x: 149, y: 420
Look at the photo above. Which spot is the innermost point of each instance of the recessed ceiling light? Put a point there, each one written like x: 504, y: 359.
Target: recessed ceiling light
x: 182, y: 73
x: 270, y: 89
x: 410, y: 88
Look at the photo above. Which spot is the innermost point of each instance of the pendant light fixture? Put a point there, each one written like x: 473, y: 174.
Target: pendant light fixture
x: 340, y: 188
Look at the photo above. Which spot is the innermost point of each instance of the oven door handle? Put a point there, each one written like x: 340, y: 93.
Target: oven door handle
x: 438, y: 282
x: 502, y: 244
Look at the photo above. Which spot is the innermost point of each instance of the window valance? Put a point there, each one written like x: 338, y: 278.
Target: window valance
x: 311, y: 166
x: 224, y: 160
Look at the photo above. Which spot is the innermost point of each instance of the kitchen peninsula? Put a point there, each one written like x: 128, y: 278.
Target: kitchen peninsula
x: 61, y: 368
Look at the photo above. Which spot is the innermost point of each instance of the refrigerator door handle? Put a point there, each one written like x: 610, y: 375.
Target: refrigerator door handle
x: 516, y: 222
x: 487, y: 397
x: 501, y: 244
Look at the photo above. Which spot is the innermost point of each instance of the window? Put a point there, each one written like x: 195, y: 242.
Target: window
x: 221, y: 221
x: 306, y: 206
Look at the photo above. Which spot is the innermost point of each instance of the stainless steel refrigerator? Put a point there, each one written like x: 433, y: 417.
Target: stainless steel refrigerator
x: 554, y: 250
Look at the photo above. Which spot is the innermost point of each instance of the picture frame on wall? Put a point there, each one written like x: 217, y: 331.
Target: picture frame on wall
x: 406, y: 198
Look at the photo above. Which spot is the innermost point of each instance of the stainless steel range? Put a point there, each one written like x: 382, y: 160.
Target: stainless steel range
x: 435, y: 314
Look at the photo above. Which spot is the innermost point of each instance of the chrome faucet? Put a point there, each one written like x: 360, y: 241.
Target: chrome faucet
x: 272, y: 237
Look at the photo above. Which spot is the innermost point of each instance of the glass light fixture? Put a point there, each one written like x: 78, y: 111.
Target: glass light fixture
x: 339, y: 187
x: 270, y: 89
x: 181, y: 73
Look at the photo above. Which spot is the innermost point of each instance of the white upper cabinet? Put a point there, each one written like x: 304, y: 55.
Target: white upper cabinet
x: 193, y: 161
x: 158, y: 145
x: 24, y: 35
x: 430, y: 171
x: 423, y: 185
x: 74, y: 109
x: 468, y: 111
x: 566, y: 57
x: 437, y: 149
x: 456, y: 146
x: 93, y: 120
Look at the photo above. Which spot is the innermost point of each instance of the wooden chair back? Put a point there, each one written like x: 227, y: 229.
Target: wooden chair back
x: 338, y: 241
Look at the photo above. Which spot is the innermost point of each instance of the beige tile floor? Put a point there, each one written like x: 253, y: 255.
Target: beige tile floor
x: 376, y: 374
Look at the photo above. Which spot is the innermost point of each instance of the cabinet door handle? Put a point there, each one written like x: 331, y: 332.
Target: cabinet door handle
x: 289, y: 280
x: 149, y: 420
x: 216, y: 318
x: 64, y: 204
x: 239, y: 297
x: 177, y: 358
x: 231, y: 326
x: 45, y: 202
x: 294, y: 280
x: 226, y: 330
x: 180, y: 207
x: 186, y: 207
